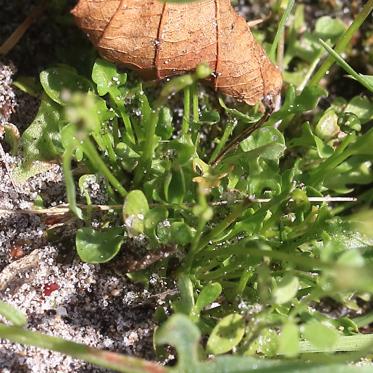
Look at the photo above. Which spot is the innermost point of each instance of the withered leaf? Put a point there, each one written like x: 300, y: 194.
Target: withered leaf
x: 160, y: 40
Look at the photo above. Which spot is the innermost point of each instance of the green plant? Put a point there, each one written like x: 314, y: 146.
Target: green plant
x: 261, y: 248
x: 179, y: 332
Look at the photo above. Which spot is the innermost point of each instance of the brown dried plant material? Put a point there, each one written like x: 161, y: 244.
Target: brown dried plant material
x: 160, y: 40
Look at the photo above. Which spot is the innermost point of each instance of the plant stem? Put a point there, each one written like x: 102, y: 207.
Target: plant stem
x: 345, y: 343
x: 149, y: 143
x: 345, y: 66
x: 69, y: 182
x: 280, y: 29
x: 92, y: 154
x: 363, y: 320
x: 116, y: 132
x: 195, y: 102
x: 196, y: 239
x: 331, y: 163
x: 310, y: 71
x: 222, y: 272
x: 195, y: 115
x: 300, y: 260
x: 226, y: 134
x: 148, y: 150
x: 186, y: 116
x: 197, y: 236
x: 343, y: 42
x: 221, y: 227
x: 235, y: 142
x: 105, y: 359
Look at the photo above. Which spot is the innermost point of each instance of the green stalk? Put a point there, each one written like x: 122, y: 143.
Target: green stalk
x: 223, y: 272
x: 186, y: 116
x: 119, y: 102
x: 148, y: 149
x: 115, y: 132
x: 105, y: 359
x: 299, y: 260
x: 149, y: 143
x: 221, y: 227
x: 202, y: 221
x: 345, y: 66
x: 363, y: 320
x: 172, y: 87
x: 195, y: 106
x: 109, y: 148
x: 331, y: 163
x: 343, y: 42
x: 128, y: 126
x: 92, y: 154
x: 310, y: 71
x: 344, y: 344
x: 226, y: 134
x: 280, y: 29
x: 242, y: 283
x: 69, y: 182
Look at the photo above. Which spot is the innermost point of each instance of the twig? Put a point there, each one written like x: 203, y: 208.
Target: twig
x: 15, y: 37
x: 64, y: 208
x: 233, y: 144
x: 255, y: 22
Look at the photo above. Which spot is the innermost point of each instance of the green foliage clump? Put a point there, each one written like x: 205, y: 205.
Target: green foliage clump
x: 259, y: 243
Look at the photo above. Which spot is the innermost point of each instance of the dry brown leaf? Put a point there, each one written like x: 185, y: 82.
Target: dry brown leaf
x: 160, y: 40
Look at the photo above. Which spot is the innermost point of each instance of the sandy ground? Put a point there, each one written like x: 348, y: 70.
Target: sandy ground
x: 61, y: 296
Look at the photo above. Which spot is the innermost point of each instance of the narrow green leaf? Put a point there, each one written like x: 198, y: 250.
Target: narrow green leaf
x: 186, y: 303
x: 281, y: 29
x: 363, y: 80
x: 345, y: 344
x: 16, y: 317
x: 105, y: 359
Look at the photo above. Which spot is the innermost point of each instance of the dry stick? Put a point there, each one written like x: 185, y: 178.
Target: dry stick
x: 255, y: 22
x: 64, y: 209
x: 240, y: 137
x: 13, y: 39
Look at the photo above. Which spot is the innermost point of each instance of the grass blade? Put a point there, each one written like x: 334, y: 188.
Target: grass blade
x: 105, y: 359
x: 345, y: 66
x: 280, y: 29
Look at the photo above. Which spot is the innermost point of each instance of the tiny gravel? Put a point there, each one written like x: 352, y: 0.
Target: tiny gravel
x: 61, y: 296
